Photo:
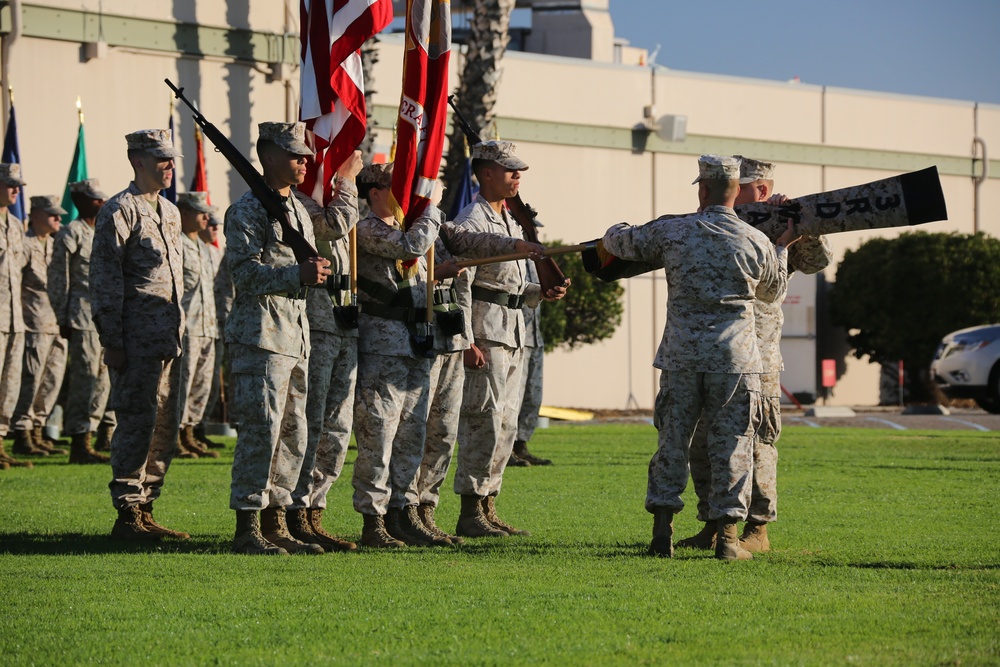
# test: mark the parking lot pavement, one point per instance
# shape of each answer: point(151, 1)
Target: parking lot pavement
point(892, 418)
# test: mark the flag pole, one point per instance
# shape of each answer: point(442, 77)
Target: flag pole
point(549, 252)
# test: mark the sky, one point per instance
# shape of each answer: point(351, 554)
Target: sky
point(944, 48)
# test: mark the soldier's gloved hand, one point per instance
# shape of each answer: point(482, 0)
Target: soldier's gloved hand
point(314, 271)
point(114, 358)
point(351, 167)
point(474, 358)
point(64, 331)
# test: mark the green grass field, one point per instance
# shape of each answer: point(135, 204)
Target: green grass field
point(885, 554)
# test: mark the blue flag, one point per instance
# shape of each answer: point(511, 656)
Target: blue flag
point(171, 192)
point(12, 154)
point(466, 192)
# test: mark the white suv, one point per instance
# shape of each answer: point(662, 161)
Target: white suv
point(967, 365)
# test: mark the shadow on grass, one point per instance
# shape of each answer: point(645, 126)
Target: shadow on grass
point(63, 544)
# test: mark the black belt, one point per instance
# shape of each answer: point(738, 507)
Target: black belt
point(512, 301)
point(397, 313)
point(297, 294)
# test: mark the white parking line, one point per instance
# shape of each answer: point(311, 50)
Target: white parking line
point(805, 421)
point(898, 427)
point(978, 427)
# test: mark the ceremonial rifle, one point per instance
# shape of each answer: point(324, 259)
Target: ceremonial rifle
point(271, 201)
point(549, 273)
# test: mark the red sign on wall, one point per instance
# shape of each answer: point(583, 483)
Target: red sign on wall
point(829, 372)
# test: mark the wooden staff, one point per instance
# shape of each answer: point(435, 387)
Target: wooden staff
point(549, 252)
point(353, 240)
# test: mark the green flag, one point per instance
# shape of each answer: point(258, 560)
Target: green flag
point(77, 172)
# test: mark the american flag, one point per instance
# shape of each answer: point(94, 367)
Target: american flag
point(332, 91)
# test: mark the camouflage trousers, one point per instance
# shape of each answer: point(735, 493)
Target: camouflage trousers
point(196, 377)
point(89, 385)
point(269, 404)
point(530, 398)
point(333, 373)
point(730, 406)
point(41, 379)
point(390, 424)
point(144, 398)
point(11, 358)
point(488, 422)
point(764, 488)
point(447, 383)
point(216, 391)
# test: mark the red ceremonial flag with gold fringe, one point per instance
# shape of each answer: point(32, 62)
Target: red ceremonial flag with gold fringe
point(332, 90)
point(423, 108)
point(200, 181)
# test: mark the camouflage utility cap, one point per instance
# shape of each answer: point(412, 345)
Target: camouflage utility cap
point(10, 173)
point(718, 167)
point(158, 143)
point(88, 188)
point(754, 170)
point(213, 218)
point(48, 203)
point(288, 136)
point(196, 201)
point(501, 152)
point(376, 176)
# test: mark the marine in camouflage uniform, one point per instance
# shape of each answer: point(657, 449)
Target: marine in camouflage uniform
point(491, 296)
point(268, 336)
point(12, 261)
point(392, 397)
point(44, 348)
point(137, 260)
point(200, 331)
point(224, 293)
point(333, 365)
point(716, 267)
point(809, 255)
point(529, 397)
point(89, 386)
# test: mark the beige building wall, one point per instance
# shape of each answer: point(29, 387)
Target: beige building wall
point(573, 120)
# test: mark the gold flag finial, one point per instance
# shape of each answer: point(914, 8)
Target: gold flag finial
point(10, 93)
point(79, 109)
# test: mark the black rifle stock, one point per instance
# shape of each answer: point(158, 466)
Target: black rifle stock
point(268, 198)
point(549, 273)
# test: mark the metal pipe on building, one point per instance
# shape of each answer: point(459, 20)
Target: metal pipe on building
point(978, 180)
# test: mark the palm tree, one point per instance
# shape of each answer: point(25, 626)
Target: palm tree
point(477, 90)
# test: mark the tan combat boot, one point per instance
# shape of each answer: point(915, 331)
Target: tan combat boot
point(703, 539)
point(490, 510)
point(328, 541)
point(200, 436)
point(663, 533)
point(754, 537)
point(727, 541)
point(24, 445)
point(43, 441)
point(11, 461)
point(150, 524)
point(299, 526)
point(190, 443)
point(375, 536)
point(80, 451)
point(426, 513)
point(521, 451)
point(472, 521)
point(515, 461)
point(104, 433)
point(411, 523)
point(274, 529)
point(248, 539)
point(131, 528)
point(4, 465)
